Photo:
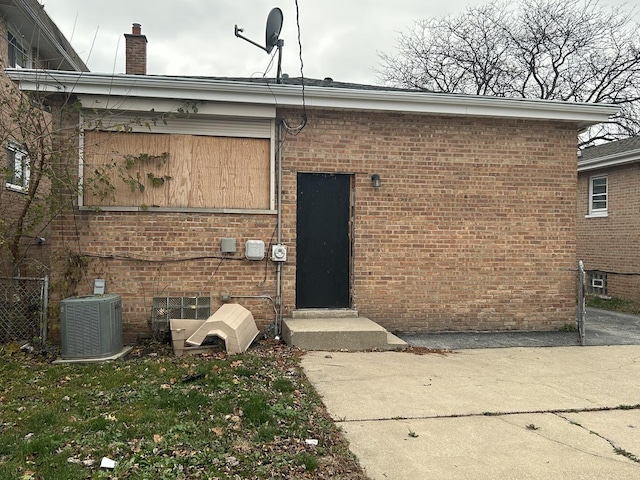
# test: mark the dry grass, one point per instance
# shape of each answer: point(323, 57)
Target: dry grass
point(162, 417)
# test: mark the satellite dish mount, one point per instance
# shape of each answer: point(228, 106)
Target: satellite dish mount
point(272, 37)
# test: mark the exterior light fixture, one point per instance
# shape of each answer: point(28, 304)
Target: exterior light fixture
point(375, 180)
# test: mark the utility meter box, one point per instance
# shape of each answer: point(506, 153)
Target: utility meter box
point(279, 253)
point(228, 245)
point(254, 250)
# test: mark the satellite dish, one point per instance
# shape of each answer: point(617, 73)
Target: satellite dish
point(274, 26)
point(272, 37)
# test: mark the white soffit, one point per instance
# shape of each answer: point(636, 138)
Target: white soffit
point(280, 95)
point(143, 122)
point(164, 105)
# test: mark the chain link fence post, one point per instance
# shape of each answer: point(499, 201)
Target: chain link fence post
point(581, 310)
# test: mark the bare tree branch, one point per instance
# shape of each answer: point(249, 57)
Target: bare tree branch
point(573, 50)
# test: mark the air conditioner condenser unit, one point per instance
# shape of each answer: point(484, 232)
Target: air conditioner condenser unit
point(91, 326)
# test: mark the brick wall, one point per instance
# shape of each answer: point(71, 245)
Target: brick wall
point(612, 243)
point(145, 255)
point(472, 229)
point(4, 43)
point(36, 254)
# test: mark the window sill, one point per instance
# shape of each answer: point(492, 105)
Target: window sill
point(597, 215)
point(17, 188)
point(178, 210)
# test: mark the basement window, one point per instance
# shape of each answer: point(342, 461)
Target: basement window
point(597, 283)
point(166, 308)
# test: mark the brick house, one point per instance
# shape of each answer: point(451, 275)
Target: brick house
point(28, 39)
point(608, 225)
point(424, 212)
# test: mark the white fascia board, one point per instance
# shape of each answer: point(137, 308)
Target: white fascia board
point(163, 105)
point(452, 104)
point(280, 95)
point(614, 160)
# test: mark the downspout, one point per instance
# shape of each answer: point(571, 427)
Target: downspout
point(277, 326)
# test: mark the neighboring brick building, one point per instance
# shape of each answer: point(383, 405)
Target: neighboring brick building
point(28, 39)
point(472, 226)
point(608, 218)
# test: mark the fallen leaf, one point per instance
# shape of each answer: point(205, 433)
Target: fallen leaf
point(157, 438)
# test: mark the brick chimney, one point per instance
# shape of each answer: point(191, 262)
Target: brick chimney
point(136, 51)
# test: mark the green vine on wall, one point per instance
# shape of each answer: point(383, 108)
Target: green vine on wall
point(100, 181)
point(157, 181)
point(135, 182)
point(75, 268)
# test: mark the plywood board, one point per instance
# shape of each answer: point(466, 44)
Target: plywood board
point(200, 171)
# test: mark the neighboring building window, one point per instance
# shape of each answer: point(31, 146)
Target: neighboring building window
point(17, 168)
point(18, 53)
point(598, 196)
point(598, 283)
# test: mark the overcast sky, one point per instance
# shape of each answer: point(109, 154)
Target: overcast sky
point(340, 38)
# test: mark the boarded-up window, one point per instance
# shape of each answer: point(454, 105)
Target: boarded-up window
point(175, 171)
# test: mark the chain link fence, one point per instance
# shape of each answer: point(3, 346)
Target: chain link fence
point(23, 309)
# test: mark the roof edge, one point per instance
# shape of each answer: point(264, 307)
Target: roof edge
point(283, 95)
point(614, 160)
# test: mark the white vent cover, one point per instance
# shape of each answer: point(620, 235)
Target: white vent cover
point(254, 250)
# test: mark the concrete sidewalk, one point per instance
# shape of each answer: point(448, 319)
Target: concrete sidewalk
point(514, 413)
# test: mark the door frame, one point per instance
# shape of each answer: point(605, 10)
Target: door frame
point(350, 233)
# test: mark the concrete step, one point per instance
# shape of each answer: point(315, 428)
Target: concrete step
point(350, 333)
point(324, 313)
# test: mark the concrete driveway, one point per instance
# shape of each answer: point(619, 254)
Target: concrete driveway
point(489, 413)
point(601, 328)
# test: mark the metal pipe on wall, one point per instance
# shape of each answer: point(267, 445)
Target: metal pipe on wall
point(278, 320)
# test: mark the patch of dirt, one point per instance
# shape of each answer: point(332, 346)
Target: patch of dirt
point(428, 351)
